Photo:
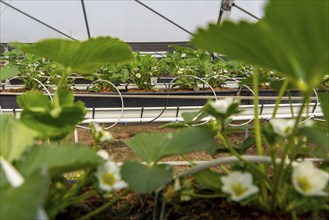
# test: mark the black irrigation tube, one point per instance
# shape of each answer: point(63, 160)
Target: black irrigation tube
point(37, 20)
point(163, 110)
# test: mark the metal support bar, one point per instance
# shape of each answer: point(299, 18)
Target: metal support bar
point(245, 11)
point(37, 20)
point(162, 16)
point(225, 10)
point(85, 17)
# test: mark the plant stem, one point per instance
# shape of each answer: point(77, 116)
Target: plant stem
point(281, 92)
point(279, 172)
point(106, 205)
point(210, 196)
point(257, 128)
point(226, 143)
point(83, 197)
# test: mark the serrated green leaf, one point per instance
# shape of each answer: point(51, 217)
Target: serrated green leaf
point(279, 41)
point(82, 57)
point(189, 116)
point(247, 143)
point(59, 159)
point(324, 100)
point(8, 72)
point(208, 179)
point(54, 119)
point(15, 137)
point(175, 125)
point(144, 179)
point(155, 146)
point(34, 101)
point(23, 202)
point(316, 136)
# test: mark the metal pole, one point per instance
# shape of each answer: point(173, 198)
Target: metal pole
point(41, 22)
point(225, 10)
point(162, 16)
point(85, 16)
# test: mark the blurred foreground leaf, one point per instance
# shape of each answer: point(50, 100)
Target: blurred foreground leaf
point(82, 57)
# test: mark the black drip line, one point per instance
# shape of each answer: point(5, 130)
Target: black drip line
point(163, 110)
point(37, 20)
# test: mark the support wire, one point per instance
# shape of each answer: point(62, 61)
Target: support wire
point(37, 20)
point(85, 17)
point(164, 17)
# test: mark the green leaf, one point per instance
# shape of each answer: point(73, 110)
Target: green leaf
point(59, 159)
point(153, 147)
point(324, 100)
point(247, 143)
point(34, 101)
point(316, 136)
point(144, 179)
point(279, 41)
point(189, 116)
point(82, 57)
point(54, 119)
point(8, 72)
point(209, 179)
point(15, 137)
point(23, 202)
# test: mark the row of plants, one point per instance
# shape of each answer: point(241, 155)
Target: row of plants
point(277, 179)
point(142, 72)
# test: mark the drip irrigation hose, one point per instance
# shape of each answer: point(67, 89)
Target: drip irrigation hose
point(163, 110)
point(314, 108)
point(38, 81)
point(238, 94)
point(122, 105)
point(203, 81)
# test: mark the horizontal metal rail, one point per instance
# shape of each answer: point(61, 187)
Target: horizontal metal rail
point(170, 114)
point(170, 96)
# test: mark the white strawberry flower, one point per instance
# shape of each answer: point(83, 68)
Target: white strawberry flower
point(99, 133)
point(109, 178)
point(221, 106)
point(239, 185)
point(283, 127)
point(14, 178)
point(309, 180)
point(138, 75)
point(103, 154)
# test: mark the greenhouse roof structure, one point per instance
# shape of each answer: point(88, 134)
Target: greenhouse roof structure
point(130, 20)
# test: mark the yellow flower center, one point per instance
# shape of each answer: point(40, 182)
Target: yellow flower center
point(108, 179)
point(288, 129)
point(238, 189)
point(304, 183)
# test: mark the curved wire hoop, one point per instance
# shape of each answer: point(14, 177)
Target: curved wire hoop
point(202, 80)
point(122, 105)
point(233, 79)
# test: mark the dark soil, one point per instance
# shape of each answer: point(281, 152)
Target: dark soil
point(143, 207)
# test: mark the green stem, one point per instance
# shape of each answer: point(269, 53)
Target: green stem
point(290, 102)
point(226, 143)
point(83, 197)
point(209, 196)
point(279, 172)
point(278, 101)
point(256, 115)
point(106, 205)
point(257, 127)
